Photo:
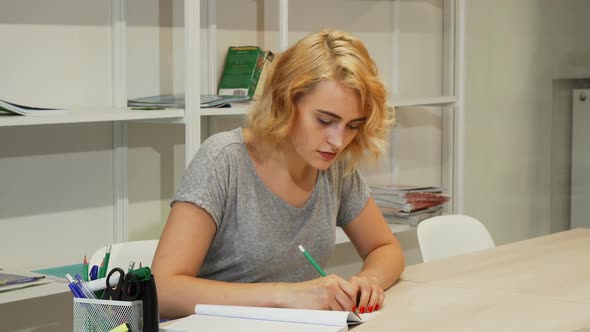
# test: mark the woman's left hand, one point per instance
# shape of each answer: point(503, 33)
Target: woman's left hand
point(370, 296)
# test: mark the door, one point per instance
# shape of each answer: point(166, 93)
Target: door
point(580, 182)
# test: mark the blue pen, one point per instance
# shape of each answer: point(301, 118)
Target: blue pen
point(74, 287)
point(94, 272)
point(82, 285)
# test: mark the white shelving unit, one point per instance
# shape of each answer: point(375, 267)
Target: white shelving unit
point(194, 119)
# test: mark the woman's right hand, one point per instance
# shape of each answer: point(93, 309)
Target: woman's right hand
point(325, 293)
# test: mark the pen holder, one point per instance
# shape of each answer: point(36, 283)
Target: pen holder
point(151, 316)
point(103, 315)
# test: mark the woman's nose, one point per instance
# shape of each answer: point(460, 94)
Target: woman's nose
point(336, 137)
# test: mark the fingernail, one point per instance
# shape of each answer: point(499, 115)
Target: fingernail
point(376, 307)
point(353, 308)
point(370, 309)
point(362, 311)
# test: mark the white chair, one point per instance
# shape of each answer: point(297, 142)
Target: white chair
point(452, 235)
point(123, 253)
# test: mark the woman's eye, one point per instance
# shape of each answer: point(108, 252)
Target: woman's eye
point(324, 121)
point(354, 126)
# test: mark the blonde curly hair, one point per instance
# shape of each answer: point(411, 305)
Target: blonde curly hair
point(328, 54)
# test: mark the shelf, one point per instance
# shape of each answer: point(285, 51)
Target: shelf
point(91, 115)
point(395, 228)
point(242, 108)
point(111, 114)
point(436, 101)
point(84, 115)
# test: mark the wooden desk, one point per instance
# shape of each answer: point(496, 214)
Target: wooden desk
point(554, 266)
point(540, 285)
point(420, 307)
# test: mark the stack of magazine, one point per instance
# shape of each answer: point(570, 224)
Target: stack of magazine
point(177, 101)
point(409, 204)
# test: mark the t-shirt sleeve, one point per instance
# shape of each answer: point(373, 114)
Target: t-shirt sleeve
point(354, 194)
point(205, 181)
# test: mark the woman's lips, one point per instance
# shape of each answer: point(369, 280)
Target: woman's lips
point(327, 155)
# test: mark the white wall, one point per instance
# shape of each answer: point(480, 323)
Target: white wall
point(55, 181)
point(514, 148)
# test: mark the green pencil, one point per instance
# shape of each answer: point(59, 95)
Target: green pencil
point(85, 269)
point(102, 272)
point(312, 261)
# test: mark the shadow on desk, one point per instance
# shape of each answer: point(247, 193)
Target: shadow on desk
point(51, 313)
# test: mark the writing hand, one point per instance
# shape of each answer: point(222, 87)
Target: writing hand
point(326, 293)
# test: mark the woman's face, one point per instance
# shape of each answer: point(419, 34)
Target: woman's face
point(327, 120)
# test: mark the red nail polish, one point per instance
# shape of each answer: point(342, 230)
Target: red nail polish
point(354, 308)
point(362, 311)
point(376, 307)
point(370, 309)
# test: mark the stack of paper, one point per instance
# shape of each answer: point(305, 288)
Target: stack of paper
point(177, 101)
point(409, 204)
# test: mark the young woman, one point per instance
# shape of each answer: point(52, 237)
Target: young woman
point(252, 195)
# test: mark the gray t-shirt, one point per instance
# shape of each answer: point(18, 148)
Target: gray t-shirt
point(258, 233)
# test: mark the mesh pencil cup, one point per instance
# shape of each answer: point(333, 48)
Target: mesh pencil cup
point(103, 315)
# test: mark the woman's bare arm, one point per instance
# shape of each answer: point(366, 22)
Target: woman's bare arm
point(182, 248)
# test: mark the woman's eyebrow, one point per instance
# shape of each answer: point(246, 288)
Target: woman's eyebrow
point(339, 117)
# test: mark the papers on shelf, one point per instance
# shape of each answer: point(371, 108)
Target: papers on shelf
point(163, 101)
point(410, 218)
point(220, 101)
point(177, 101)
point(409, 204)
point(230, 318)
point(11, 108)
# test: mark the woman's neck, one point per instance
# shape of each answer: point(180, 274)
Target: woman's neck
point(280, 159)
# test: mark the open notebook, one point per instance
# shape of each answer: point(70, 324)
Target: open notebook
point(233, 318)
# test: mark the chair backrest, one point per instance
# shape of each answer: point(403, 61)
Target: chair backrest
point(451, 235)
point(123, 253)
